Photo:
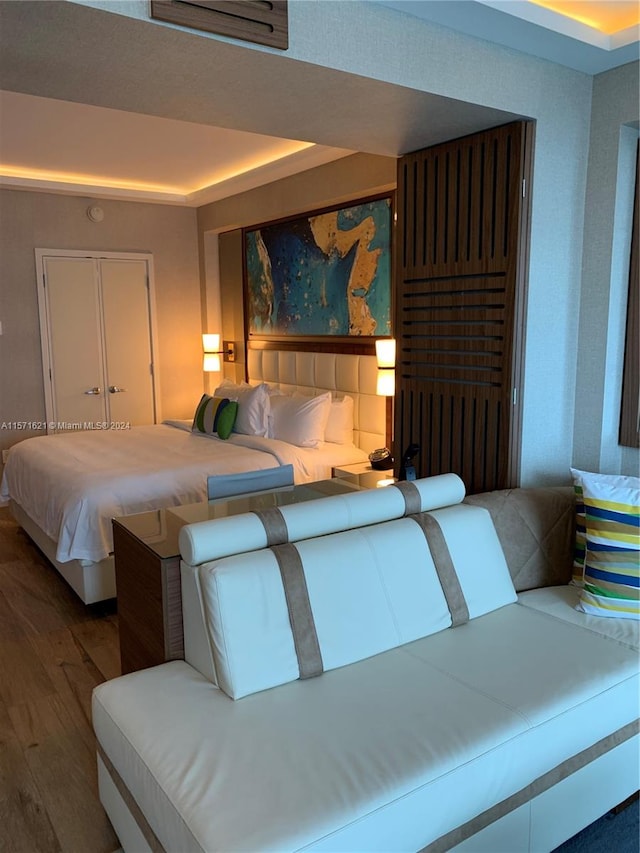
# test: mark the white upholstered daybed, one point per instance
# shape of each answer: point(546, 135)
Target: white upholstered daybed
point(390, 670)
point(65, 489)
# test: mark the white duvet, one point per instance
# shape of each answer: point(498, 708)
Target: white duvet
point(72, 485)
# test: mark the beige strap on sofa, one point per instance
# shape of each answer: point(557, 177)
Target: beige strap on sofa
point(274, 525)
point(136, 812)
point(534, 789)
point(303, 627)
point(444, 567)
point(411, 495)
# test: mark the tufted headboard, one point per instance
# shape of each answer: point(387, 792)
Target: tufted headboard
point(315, 372)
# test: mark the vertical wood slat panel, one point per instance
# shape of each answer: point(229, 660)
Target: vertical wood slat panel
point(480, 456)
point(420, 212)
point(480, 201)
point(426, 194)
point(488, 212)
point(457, 202)
point(413, 206)
point(495, 196)
point(467, 179)
point(455, 299)
point(506, 201)
point(457, 434)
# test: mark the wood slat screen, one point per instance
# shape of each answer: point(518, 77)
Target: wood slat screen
point(459, 305)
point(259, 21)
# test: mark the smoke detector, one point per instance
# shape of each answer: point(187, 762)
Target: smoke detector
point(95, 213)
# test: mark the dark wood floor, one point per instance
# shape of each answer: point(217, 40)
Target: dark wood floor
point(53, 651)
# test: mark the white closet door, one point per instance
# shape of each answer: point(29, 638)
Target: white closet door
point(74, 340)
point(127, 337)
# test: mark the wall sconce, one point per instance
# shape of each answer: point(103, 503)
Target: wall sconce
point(386, 358)
point(211, 362)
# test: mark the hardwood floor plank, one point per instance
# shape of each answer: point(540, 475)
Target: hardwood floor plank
point(53, 651)
point(48, 721)
point(23, 676)
point(14, 544)
point(66, 777)
point(73, 674)
point(24, 823)
point(99, 639)
point(11, 628)
point(40, 601)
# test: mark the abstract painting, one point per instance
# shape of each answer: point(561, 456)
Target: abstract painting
point(325, 273)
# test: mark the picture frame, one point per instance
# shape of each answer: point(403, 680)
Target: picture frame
point(324, 275)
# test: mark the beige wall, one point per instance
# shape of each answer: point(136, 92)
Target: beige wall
point(40, 220)
point(175, 238)
point(350, 178)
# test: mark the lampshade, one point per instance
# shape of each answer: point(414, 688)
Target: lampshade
point(211, 343)
point(211, 362)
point(386, 352)
point(386, 384)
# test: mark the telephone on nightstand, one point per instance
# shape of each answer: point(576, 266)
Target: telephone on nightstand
point(407, 468)
point(381, 459)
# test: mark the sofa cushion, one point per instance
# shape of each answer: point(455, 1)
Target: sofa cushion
point(477, 557)
point(364, 753)
point(222, 537)
point(211, 540)
point(560, 602)
point(357, 593)
point(536, 530)
point(612, 558)
point(369, 590)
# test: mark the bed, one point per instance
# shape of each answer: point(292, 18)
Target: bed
point(65, 489)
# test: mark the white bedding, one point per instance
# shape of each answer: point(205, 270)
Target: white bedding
point(72, 485)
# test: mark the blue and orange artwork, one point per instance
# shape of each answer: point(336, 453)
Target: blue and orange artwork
point(324, 274)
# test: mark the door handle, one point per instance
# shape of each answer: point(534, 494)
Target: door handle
point(93, 391)
point(113, 389)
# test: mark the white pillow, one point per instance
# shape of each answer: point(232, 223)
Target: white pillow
point(300, 420)
point(339, 429)
point(253, 406)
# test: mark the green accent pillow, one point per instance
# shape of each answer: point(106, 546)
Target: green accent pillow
point(215, 416)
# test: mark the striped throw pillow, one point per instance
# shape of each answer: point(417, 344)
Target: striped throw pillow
point(215, 416)
point(612, 556)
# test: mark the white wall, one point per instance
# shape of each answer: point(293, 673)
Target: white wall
point(605, 274)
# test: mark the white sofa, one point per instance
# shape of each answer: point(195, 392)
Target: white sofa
point(440, 708)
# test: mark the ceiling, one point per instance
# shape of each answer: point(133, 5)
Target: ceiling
point(587, 35)
point(87, 130)
point(61, 146)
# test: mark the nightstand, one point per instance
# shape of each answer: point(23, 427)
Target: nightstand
point(147, 564)
point(364, 476)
